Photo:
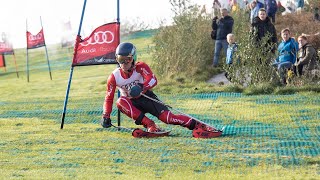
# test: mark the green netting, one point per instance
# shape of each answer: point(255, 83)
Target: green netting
point(254, 131)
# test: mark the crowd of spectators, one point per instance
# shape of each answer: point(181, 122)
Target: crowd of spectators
point(290, 55)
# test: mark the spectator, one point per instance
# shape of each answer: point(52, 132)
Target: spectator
point(232, 48)
point(259, 4)
point(233, 5)
point(216, 5)
point(247, 9)
point(254, 11)
point(287, 54)
point(316, 16)
point(306, 57)
point(261, 27)
point(223, 26)
point(271, 8)
point(300, 4)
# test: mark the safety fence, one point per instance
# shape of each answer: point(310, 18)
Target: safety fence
point(288, 134)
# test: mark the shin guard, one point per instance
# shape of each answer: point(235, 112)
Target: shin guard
point(169, 118)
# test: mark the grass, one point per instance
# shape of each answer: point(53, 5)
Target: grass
point(267, 136)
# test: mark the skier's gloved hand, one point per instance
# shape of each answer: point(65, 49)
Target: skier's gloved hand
point(136, 90)
point(105, 122)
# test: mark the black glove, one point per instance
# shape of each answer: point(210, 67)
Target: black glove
point(105, 122)
point(136, 90)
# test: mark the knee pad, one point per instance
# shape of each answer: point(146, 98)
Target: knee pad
point(125, 105)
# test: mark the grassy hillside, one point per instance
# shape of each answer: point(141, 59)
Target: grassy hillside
point(266, 136)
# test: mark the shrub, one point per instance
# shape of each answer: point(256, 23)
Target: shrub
point(185, 48)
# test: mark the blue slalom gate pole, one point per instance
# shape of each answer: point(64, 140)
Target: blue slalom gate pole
point(71, 69)
point(118, 21)
point(45, 46)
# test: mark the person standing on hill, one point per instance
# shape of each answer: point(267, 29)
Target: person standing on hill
point(261, 27)
point(254, 10)
point(271, 8)
point(135, 81)
point(216, 5)
point(222, 26)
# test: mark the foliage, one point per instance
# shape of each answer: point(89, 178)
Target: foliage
point(185, 48)
point(252, 61)
point(131, 26)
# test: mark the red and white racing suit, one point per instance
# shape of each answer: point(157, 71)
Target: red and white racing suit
point(135, 108)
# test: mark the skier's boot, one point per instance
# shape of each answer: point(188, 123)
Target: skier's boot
point(150, 125)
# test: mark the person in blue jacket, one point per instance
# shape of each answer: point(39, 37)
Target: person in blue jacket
point(287, 54)
point(232, 48)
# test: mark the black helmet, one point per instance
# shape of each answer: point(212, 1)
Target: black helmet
point(125, 51)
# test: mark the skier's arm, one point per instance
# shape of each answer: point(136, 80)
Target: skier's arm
point(150, 79)
point(111, 87)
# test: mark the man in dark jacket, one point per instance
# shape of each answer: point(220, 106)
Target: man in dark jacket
point(261, 27)
point(223, 27)
point(271, 8)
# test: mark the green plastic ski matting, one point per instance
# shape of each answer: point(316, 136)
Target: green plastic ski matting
point(273, 129)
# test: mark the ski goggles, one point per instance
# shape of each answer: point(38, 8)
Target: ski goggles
point(124, 59)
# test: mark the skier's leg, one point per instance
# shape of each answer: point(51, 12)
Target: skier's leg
point(125, 105)
point(169, 118)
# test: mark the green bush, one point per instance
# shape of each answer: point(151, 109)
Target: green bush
point(185, 48)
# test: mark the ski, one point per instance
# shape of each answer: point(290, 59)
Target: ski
point(200, 133)
point(139, 133)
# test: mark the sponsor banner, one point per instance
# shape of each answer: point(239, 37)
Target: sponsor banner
point(6, 48)
point(99, 47)
point(2, 61)
point(35, 41)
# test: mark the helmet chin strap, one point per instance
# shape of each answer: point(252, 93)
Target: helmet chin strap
point(132, 65)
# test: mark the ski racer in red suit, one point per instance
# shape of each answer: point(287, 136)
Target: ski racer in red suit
point(133, 78)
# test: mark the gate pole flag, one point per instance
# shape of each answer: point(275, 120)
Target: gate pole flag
point(36, 41)
point(6, 48)
point(97, 49)
point(3, 62)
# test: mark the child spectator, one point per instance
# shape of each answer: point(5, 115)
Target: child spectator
point(316, 16)
point(232, 48)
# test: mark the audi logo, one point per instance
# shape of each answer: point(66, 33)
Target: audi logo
point(99, 37)
point(35, 37)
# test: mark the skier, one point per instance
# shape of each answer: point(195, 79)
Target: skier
point(135, 81)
